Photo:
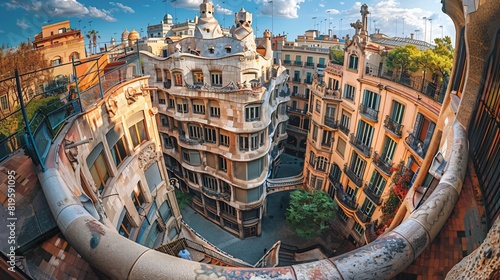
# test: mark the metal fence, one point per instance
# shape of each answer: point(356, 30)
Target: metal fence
point(58, 98)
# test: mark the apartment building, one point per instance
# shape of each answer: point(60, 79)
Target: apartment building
point(362, 123)
point(222, 119)
point(61, 44)
point(305, 58)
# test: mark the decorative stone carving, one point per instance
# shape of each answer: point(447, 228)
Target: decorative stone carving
point(72, 155)
point(111, 107)
point(148, 156)
point(484, 262)
point(131, 95)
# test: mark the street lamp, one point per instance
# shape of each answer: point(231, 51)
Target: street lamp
point(425, 28)
point(442, 35)
point(430, 37)
point(329, 22)
point(272, 16)
point(175, 9)
point(314, 21)
point(340, 30)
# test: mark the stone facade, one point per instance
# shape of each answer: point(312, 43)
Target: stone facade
point(222, 119)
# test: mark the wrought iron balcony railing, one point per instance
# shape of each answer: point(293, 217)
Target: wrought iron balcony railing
point(357, 179)
point(382, 164)
point(368, 112)
point(372, 194)
point(189, 141)
point(344, 128)
point(331, 122)
point(416, 145)
point(393, 126)
point(360, 146)
point(362, 216)
point(345, 199)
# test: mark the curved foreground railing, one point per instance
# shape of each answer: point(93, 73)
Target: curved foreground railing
point(120, 258)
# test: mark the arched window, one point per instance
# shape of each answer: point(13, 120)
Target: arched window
point(353, 62)
point(56, 61)
point(321, 164)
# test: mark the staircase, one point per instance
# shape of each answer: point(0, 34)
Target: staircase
point(200, 253)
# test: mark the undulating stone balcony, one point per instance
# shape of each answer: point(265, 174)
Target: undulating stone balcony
point(393, 127)
point(360, 146)
point(368, 113)
point(355, 178)
point(188, 141)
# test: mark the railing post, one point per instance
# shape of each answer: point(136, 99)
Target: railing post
point(77, 87)
point(99, 79)
point(26, 121)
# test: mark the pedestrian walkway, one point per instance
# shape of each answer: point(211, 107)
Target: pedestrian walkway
point(463, 233)
point(274, 228)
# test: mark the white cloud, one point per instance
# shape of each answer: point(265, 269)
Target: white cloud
point(333, 11)
point(57, 8)
point(102, 14)
point(280, 8)
point(187, 4)
point(125, 9)
point(322, 5)
point(222, 11)
point(21, 23)
point(341, 3)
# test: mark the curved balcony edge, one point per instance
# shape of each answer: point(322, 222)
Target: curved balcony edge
point(121, 258)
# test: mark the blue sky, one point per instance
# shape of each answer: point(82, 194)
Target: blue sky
point(22, 19)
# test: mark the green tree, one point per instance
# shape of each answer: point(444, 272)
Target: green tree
point(309, 214)
point(425, 60)
point(402, 59)
point(183, 199)
point(443, 61)
point(336, 55)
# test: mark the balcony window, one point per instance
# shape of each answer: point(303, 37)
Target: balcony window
point(137, 197)
point(315, 132)
point(310, 61)
point(216, 78)
point(222, 163)
point(388, 150)
point(214, 109)
point(358, 229)
point(345, 122)
point(182, 106)
point(177, 78)
point(210, 135)
point(420, 138)
point(153, 176)
point(165, 211)
point(252, 113)
point(349, 92)
point(341, 144)
point(4, 102)
point(371, 103)
point(98, 167)
point(249, 170)
point(228, 209)
point(198, 77)
point(364, 135)
point(137, 130)
point(318, 106)
point(171, 103)
point(330, 111)
point(367, 209)
point(356, 169)
point(117, 145)
point(198, 107)
point(57, 61)
point(210, 183)
point(327, 138)
point(191, 176)
point(335, 173)
point(377, 183)
point(126, 224)
point(224, 140)
point(312, 158)
point(164, 120)
point(353, 62)
point(321, 164)
point(248, 196)
point(191, 157)
point(159, 76)
point(397, 112)
point(195, 132)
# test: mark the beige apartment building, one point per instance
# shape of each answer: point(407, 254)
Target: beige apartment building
point(60, 44)
point(222, 119)
point(362, 123)
point(305, 58)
